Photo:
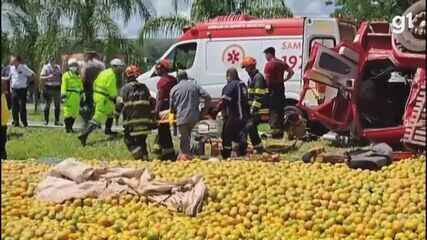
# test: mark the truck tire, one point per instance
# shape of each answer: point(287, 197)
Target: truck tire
point(315, 128)
point(413, 40)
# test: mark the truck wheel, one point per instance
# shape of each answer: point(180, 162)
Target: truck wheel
point(413, 40)
point(314, 128)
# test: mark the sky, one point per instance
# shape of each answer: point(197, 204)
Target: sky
point(311, 8)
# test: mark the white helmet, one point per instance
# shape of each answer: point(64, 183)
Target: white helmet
point(117, 62)
point(73, 62)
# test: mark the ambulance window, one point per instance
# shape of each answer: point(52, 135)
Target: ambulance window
point(182, 56)
point(327, 42)
point(333, 64)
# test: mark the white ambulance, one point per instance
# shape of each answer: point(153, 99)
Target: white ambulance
point(208, 48)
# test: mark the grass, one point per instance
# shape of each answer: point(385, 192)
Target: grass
point(55, 144)
point(48, 144)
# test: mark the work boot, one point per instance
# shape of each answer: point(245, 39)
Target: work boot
point(46, 118)
point(57, 113)
point(68, 125)
point(259, 149)
point(108, 126)
point(226, 152)
point(85, 134)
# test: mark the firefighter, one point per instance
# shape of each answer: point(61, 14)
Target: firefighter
point(235, 110)
point(164, 85)
point(71, 94)
point(137, 105)
point(105, 94)
point(257, 92)
point(274, 75)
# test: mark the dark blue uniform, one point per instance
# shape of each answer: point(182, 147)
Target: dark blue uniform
point(236, 114)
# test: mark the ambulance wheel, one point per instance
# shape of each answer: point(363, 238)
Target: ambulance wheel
point(413, 40)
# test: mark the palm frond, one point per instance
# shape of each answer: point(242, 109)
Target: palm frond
point(165, 26)
point(128, 8)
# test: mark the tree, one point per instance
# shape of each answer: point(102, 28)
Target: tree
point(5, 48)
point(38, 28)
point(371, 9)
point(205, 9)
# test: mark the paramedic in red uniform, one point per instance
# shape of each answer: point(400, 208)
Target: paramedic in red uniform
point(164, 85)
point(274, 72)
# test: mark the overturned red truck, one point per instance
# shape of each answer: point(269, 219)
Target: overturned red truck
point(375, 85)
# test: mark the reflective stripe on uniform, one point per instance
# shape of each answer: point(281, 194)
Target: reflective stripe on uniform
point(136, 121)
point(138, 133)
point(227, 147)
point(135, 150)
point(135, 103)
point(264, 111)
point(261, 91)
point(101, 89)
point(256, 104)
point(257, 91)
point(226, 97)
point(74, 91)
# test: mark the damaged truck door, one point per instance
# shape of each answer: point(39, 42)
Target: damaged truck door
point(336, 72)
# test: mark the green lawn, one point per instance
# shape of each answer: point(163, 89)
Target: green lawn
point(55, 144)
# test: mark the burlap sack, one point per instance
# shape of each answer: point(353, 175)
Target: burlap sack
point(71, 179)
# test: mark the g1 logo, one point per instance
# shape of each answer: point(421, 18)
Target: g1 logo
point(398, 23)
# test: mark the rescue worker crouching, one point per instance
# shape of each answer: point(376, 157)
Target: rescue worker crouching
point(136, 105)
point(163, 140)
point(71, 94)
point(257, 93)
point(235, 109)
point(105, 94)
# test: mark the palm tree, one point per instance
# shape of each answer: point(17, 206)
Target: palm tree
point(205, 9)
point(45, 27)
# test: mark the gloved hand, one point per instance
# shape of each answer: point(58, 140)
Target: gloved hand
point(63, 98)
point(252, 112)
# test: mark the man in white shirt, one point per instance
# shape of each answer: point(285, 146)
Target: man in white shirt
point(51, 81)
point(19, 75)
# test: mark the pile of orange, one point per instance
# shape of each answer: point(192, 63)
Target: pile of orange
point(247, 200)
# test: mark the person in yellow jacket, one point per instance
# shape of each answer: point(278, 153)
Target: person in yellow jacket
point(105, 94)
point(71, 93)
point(3, 132)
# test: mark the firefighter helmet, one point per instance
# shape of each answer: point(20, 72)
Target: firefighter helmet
point(132, 71)
point(248, 61)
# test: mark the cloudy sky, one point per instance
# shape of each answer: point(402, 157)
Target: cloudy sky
point(310, 8)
